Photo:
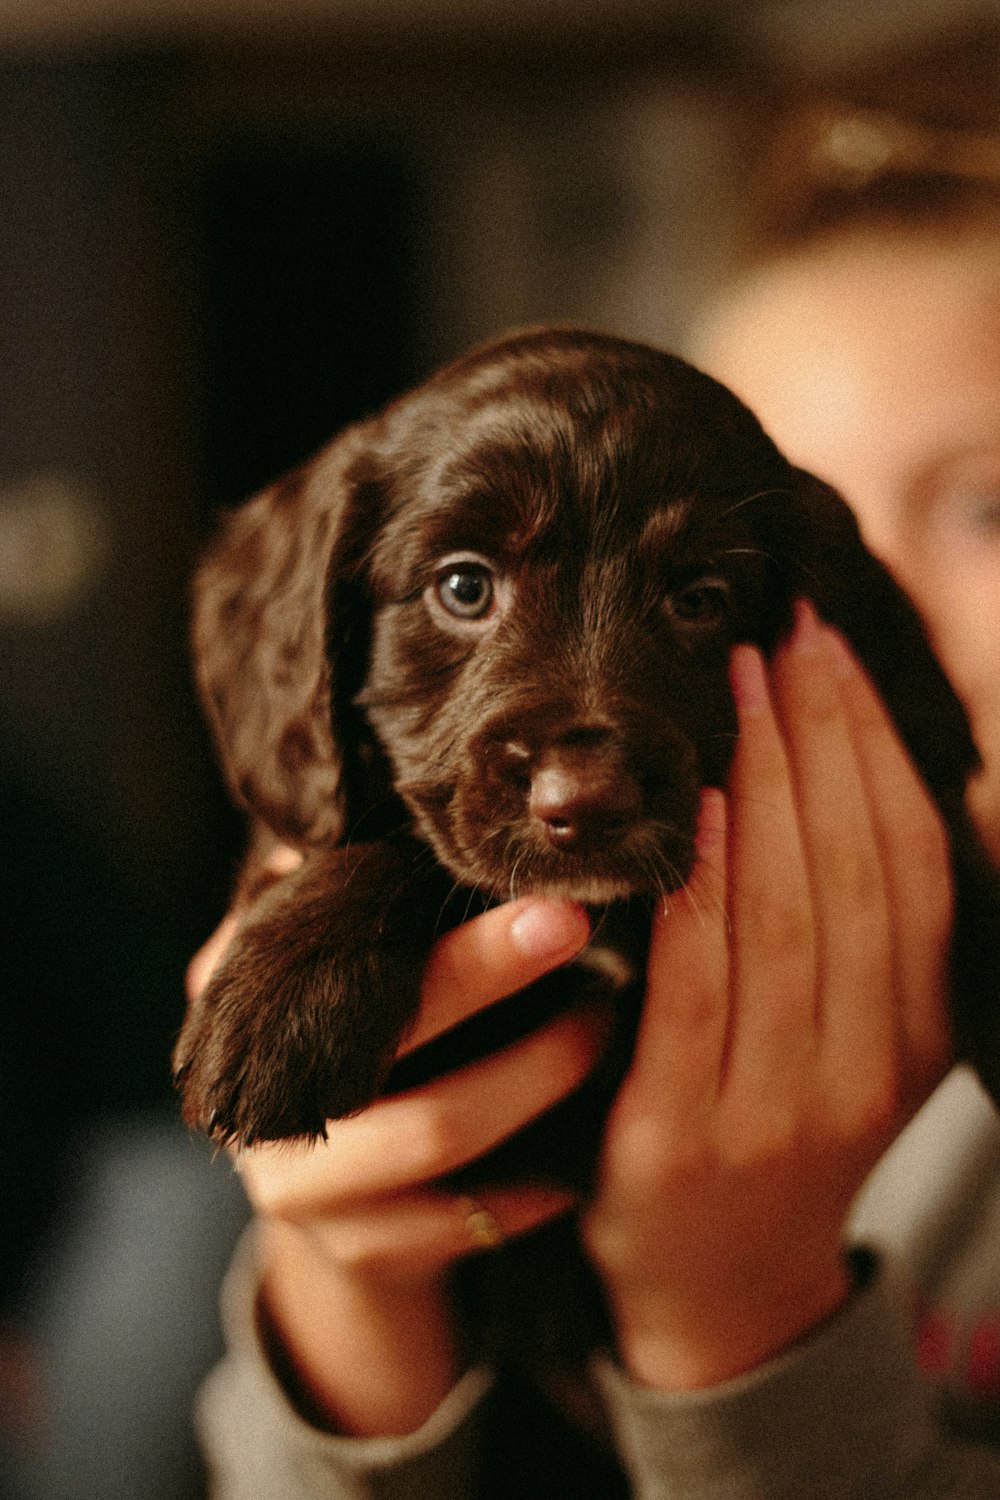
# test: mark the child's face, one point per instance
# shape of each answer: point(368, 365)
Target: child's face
point(877, 365)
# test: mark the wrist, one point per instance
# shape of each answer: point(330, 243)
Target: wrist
point(690, 1344)
point(361, 1355)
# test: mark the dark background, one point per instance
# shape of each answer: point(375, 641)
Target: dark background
point(224, 233)
point(214, 252)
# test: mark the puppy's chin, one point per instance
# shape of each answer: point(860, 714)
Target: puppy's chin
point(588, 891)
point(597, 880)
point(516, 856)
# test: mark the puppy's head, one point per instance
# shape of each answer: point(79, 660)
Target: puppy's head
point(507, 604)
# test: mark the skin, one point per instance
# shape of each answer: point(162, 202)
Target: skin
point(794, 1019)
point(874, 360)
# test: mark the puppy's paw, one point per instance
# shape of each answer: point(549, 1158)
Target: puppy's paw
point(301, 1021)
point(266, 1063)
point(281, 1042)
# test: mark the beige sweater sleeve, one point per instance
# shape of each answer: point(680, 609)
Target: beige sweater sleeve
point(844, 1415)
point(258, 1447)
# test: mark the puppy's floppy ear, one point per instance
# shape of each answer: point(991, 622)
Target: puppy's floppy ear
point(819, 544)
point(854, 592)
point(280, 595)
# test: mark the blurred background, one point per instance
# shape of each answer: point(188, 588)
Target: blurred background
point(226, 230)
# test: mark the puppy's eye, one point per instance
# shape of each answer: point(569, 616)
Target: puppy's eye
point(466, 590)
point(704, 602)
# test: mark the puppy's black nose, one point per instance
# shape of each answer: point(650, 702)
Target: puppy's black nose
point(579, 801)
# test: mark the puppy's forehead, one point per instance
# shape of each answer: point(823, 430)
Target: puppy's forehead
point(525, 469)
point(567, 455)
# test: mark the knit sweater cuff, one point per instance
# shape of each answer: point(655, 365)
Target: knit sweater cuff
point(841, 1413)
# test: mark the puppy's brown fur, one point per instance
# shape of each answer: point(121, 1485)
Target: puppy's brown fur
point(479, 648)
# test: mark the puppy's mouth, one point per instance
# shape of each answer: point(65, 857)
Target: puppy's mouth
point(521, 861)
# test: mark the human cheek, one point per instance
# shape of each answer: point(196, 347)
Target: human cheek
point(964, 612)
point(948, 560)
point(956, 588)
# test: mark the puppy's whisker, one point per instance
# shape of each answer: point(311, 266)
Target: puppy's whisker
point(473, 898)
point(422, 858)
point(667, 880)
point(515, 867)
point(443, 921)
point(812, 576)
point(702, 907)
point(744, 799)
point(776, 492)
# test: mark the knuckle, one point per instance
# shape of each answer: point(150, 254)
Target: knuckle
point(270, 1197)
point(870, 1104)
point(777, 1136)
point(661, 1159)
point(641, 1141)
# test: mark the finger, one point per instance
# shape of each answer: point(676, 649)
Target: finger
point(493, 956)
point(916, 864)
point(416, 1137)
point(772, 944)
point(682, 1037)
point(283, 859)
point(855, 991)
point(208, 956)
point(425, 1230)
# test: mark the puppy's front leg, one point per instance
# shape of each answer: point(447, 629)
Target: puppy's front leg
point(300, 1022)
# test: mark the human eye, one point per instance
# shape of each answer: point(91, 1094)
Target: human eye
point(964, 498)
point(974, 511)
point(983, 513)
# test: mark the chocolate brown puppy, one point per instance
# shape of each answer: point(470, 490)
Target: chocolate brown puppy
point(478, 648)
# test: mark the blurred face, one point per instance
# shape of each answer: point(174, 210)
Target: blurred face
point(877, 366)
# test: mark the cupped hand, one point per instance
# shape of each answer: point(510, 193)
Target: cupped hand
point(794, 1019)
point(358, 1234)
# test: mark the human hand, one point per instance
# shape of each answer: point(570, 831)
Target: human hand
point(358, 1235)
point(794, 1019)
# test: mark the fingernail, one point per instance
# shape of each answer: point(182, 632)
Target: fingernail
point(550, 929)
point(748, 679)
point(807, 637)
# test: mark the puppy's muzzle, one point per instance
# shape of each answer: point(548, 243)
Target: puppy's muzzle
point(581, 799)
point(576, 804)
